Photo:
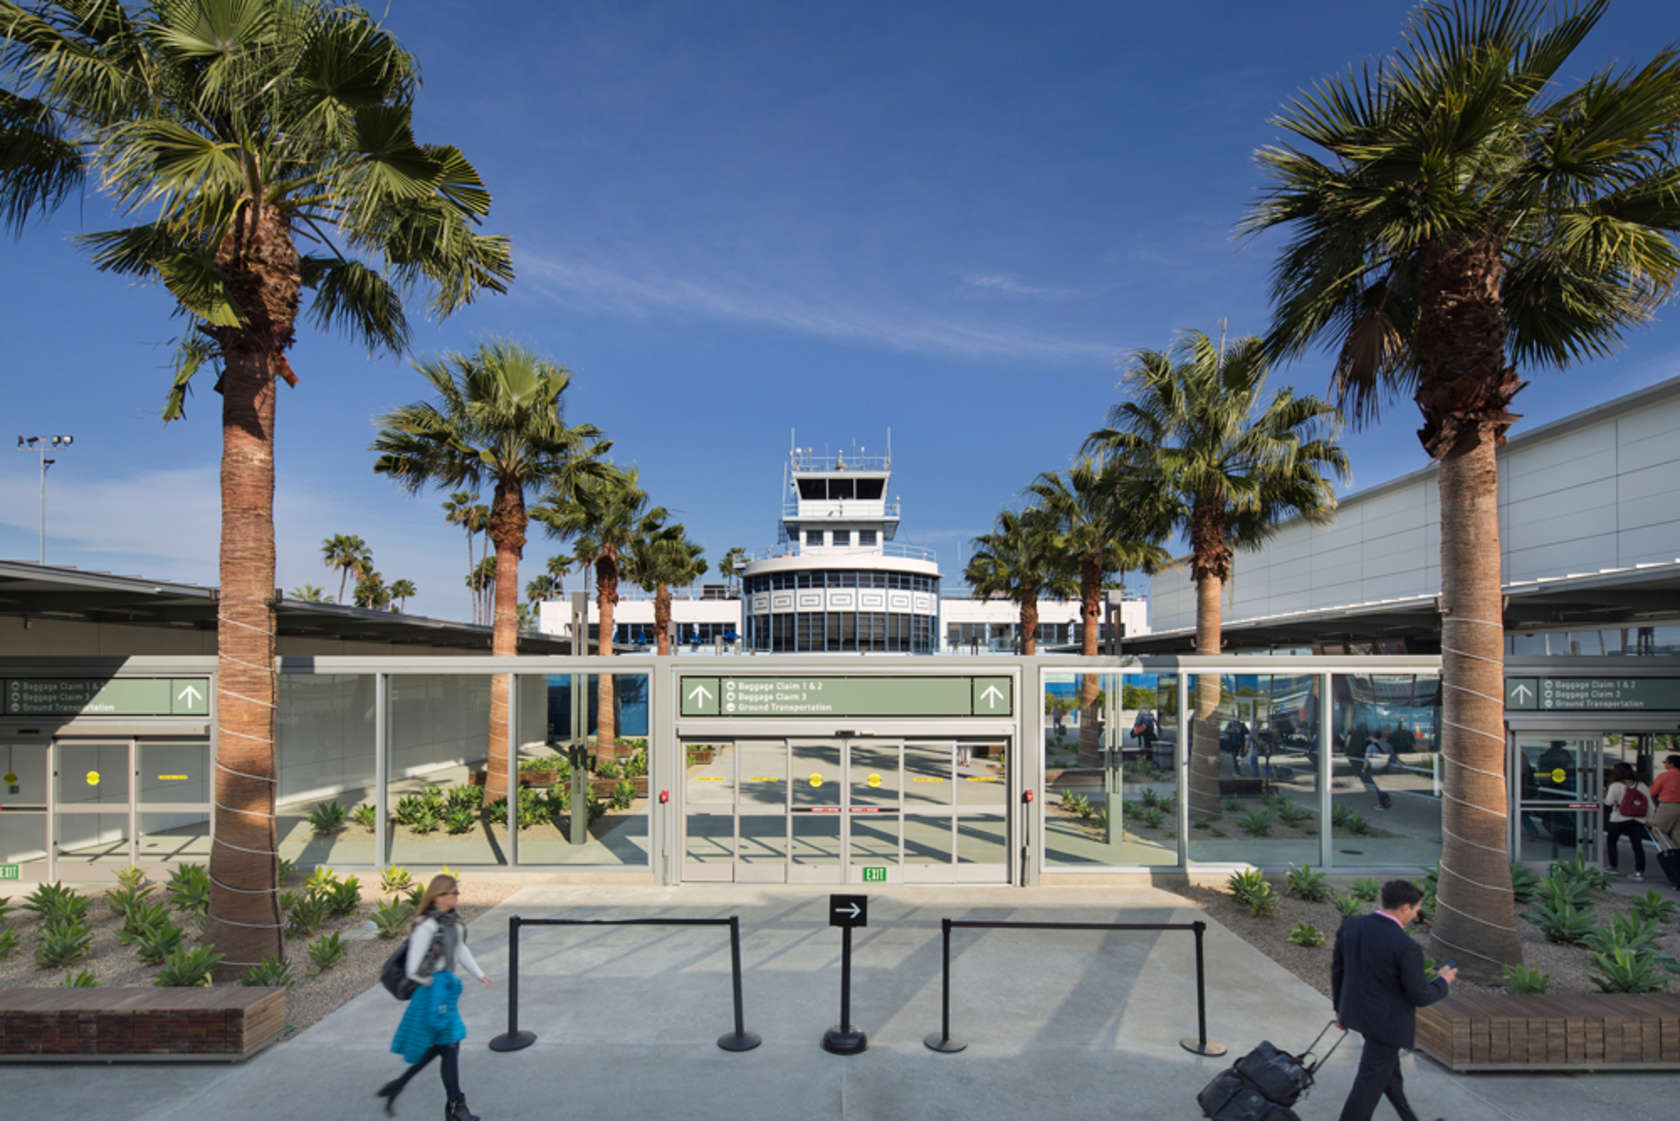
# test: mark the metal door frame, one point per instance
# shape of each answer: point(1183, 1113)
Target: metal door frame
point(48, 807)
point(1589, 785)
point(128, 812)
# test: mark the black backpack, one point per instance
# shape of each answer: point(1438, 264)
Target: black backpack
point(394, 975)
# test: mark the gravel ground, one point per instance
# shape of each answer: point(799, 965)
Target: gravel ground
point(311, 997)
point(1567, 965)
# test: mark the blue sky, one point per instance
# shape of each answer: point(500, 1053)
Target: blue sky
point(733, 220)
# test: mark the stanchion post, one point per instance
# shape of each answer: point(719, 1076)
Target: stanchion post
point(1201, 1045)
point(513, 1039)
point(942, 1041)
point(740, 1039)
point(845, 1040)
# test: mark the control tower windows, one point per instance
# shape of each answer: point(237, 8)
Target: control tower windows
point(813, 537)
point(866, 537)
point(843, 538)
point(871, 488)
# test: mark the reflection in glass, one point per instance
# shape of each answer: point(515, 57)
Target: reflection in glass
point(816, 840)
point(927, 840)
point(1268, 778)
point(875, 839)
point(927, 773)
point(1385, 770)
point(982, 840)
point(764, 839)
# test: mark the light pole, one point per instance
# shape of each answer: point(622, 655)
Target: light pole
point(41, 444)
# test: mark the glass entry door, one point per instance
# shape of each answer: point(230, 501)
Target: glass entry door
point(92, 811)
point(23, 809)
point(822, 810)
point(1557, 795)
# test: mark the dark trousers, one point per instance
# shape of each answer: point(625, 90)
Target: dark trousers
point(1634, 831)
point(451, 1056)
point(1379, 1074)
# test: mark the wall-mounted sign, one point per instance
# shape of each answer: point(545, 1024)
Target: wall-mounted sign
point(847, 696)
point(1603, 694)
point(106, 696)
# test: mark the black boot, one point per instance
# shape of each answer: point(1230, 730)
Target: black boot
point(389, 1092)
point(457, 1111)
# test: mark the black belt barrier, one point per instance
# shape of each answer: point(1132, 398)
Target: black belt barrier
point(514, 1040)
point(942, 1041)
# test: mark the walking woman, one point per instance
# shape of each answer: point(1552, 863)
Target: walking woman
point(1629, 801)
point(431, 1028)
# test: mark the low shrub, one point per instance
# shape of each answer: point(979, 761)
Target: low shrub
point(326, 952)
point(328, 817)
point(608, 768)
point(1251, 889)
point(189, 889)
point(1563, 923)
point(1525, 982)
point(1653, 906)
point(120, 900)
point(468, 798)
point(56, 903)
point(270, 972)
point(343, 897)
point(155, 943)
point(1348, 905)
point(307, 915)
point(83, 979)
point(1305, 883)
point(1582, 871)
point(131, 876)
point(1256, 824)
point(1306, 934)
point(1200, 823)
point(1291, 814)
point(1524, 883)
point(8, 942)
point(186, 968)
point(1366, 890)
point(390, 917)
point(1626, 971)
point(63, 943)
point(365, 815)
point(394, 879)
point(426, 820)
point(140, 918)
point(636, 765)
point(1231, 804)
point(623, 794)
point(322, 880)
point(458, 820)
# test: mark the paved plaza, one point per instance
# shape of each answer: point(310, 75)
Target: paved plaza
point(1068, 1024)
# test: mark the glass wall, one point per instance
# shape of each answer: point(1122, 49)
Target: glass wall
point(1111, 794)
point(324, 749)
point(23, 802)
point(439, 730)
point(91, 798)
point(1385, 770)
point(173, 775)
point(1261, 739)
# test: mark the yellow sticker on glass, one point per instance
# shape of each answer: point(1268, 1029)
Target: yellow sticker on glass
point(93, 778)
point(815, 779)
point(10, 778)
point(874, 780)
point(1559, 775)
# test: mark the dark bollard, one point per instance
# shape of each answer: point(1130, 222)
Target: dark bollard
point(941, 1040)
point(1200, 1045)
point(740, 1039)
point(513, 1039)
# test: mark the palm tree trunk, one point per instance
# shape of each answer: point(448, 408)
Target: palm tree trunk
point(343, 575)
point(1029, 625)
point(507, 531)
point(259, 264)
point(1090, 609)
point(662, 617)
point(472, 592)
point(1204, 717)
point(606, 596)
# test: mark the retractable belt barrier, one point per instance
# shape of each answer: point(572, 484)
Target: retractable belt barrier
point(941, 1040)
point(514, 1039)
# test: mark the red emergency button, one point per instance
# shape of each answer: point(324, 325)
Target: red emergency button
point(1026, 796)
point(664, 796)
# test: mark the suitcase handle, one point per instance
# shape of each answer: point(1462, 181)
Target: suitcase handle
point(1313, 1069)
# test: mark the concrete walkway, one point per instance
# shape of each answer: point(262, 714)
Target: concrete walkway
point(1059, 1024)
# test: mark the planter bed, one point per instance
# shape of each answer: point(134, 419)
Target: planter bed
point(228, 1023)
point(1574, 1031)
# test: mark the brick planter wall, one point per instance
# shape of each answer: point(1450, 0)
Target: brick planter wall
point(1578, 1031)
point(112, 1023)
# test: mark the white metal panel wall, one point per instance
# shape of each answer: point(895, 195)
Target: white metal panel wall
point(1601, 495)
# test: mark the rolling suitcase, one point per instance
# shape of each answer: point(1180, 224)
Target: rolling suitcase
point(1668, 857)
point(1263, 1084)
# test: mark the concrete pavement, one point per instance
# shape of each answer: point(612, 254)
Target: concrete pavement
point(1062, 1024)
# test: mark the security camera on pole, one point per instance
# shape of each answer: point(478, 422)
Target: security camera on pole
point(41, 444)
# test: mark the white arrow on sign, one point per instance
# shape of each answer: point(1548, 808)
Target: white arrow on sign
point(991, 695)
point(1521, 693)
point(700, 694)
point(850, 910)
point(190, 695)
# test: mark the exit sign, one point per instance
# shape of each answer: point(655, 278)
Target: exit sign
point(874, 875)
point(8, 871)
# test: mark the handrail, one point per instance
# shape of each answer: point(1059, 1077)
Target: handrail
point(516, 1040)
point(941, 1040)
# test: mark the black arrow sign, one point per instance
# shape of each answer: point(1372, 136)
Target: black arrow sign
point(848, 910)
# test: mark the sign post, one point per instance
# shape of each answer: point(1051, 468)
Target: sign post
point(846, 912)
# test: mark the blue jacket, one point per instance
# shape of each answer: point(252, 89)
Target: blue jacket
point(1377, 982)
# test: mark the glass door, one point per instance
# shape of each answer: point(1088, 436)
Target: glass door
point(1557, 794)
point(92, 823)
point(709, 787)
point(817, 816)
point(761, 803)
point(874, 812)
point(172, 814)
point(23, 810)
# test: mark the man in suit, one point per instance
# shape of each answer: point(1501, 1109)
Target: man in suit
point(1377, 985)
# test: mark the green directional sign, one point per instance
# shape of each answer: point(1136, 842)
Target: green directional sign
point(1522, 692)
point(1607, 694)
point(106, 696)
point(8, 871)
point(826, 695)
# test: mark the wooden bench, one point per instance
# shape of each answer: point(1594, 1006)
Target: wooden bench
point(229, 1024)
point(1577, 1031)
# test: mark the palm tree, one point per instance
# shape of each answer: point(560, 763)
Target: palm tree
point(734, 563)
point(482, 582)
point(458, 510)
point(308, 593)
point(497, 421)
point(1225, 464)
point(371, 591)
point(1455, 213)
point(246, 129)
point(1103, 533)
point(347, 554)
point(1020, 560)
point(608, 513)
point(540, 587)
point(656, 562)
point(400, 591)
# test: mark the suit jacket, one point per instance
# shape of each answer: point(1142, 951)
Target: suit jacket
point(1377, 982)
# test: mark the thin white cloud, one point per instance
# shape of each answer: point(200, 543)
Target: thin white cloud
point(595, 287)
point(1004, 284)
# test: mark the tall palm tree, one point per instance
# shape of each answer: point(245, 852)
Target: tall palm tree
point(1103, 533)
point(270, 144)
point(734, 563)
point(482, 582)
point(1199, 436)
point(1020, 560)
point(659, 560)
point(348, 555)
point(371, 591)
point(1453, 214)
point(400, 591)
point(458, 510)
point(540, 587)
point(497, 421)
point(607, 512)
point(308, 593)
